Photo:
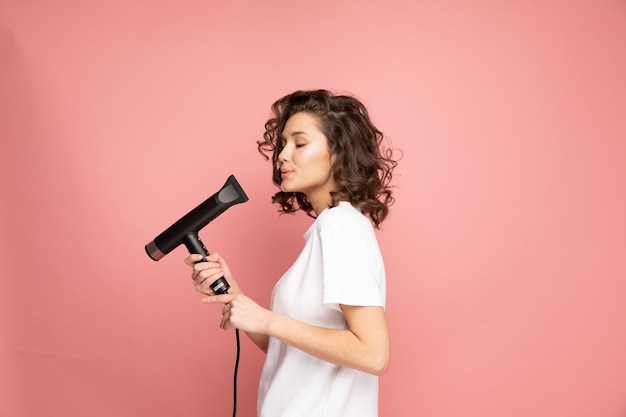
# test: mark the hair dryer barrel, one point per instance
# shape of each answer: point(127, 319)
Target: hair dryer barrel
point(229, 195)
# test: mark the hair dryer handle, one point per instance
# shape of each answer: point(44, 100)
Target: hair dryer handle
point(194, 245)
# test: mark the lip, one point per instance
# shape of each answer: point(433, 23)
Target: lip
point(285, 172)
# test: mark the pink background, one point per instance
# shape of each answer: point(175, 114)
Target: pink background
point(506, 251)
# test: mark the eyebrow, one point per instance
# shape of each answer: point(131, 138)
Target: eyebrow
point(293, 134)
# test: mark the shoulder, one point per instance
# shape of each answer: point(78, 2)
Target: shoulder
point(344, 216)
point(342, 211)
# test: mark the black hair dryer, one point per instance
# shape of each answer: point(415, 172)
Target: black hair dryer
point(185, 230)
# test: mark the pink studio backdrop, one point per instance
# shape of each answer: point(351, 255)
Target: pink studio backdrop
point(505, 252)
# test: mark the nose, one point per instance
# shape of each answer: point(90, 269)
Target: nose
point(283, 156)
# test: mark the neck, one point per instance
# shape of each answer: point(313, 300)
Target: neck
point(319, 202)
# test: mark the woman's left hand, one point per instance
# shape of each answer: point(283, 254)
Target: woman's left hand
point(241, 312)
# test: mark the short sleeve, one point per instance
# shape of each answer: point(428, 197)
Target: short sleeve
point(352, 266)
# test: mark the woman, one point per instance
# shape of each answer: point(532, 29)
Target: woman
point(325, 334)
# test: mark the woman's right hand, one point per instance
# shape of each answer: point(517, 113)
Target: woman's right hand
point(207, 272)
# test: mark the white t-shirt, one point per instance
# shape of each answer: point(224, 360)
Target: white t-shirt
point(340, 263)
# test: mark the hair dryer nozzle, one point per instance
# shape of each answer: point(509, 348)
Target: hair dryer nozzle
point(191, 223)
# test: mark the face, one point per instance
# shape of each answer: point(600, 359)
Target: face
point(305, 161)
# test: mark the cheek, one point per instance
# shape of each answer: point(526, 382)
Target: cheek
point(321, 164)
point(315, 157)
point(305, 158)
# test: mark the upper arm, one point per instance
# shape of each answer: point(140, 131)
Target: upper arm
point(369, 326)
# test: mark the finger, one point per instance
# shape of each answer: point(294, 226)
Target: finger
point(204, 289)
point(197, 276)
point(203, 266)
point(193, 258)
point(214, 256)
point(207, 278)
point(198, 280)
point(226, 324)
point(219, 298)
point(207, 286)
point(226, 308)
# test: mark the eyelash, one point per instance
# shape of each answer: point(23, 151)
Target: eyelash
point(298, 145)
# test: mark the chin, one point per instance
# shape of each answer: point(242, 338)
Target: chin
point(286, 188)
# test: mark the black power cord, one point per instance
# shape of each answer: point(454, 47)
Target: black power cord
point(221, 286)
point(235, 374)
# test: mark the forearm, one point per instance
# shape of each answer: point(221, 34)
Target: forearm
point(259, 339)
point(341, 347)
point(364, 345)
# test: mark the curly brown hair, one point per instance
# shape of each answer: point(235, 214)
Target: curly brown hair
point(363, 166)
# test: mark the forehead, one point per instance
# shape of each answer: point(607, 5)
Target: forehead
point(301, 123)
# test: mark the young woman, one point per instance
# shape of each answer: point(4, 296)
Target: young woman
point(325, 334)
